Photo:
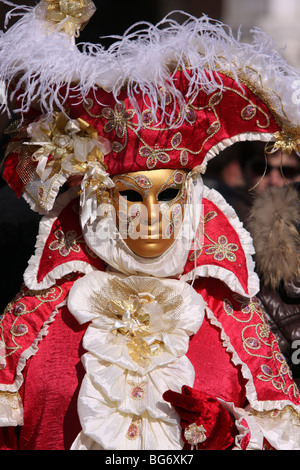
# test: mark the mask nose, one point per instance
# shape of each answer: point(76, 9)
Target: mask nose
point(151, 212)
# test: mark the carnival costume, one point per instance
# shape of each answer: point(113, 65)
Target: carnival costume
point(104, 348)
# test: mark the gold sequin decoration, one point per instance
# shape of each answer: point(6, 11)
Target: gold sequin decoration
point(119, 119)
point(120, 301)
point(72, 14)
point(11, 399)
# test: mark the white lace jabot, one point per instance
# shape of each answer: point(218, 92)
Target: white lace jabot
point(136, 345)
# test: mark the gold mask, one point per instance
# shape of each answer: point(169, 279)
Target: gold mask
point(149, 207)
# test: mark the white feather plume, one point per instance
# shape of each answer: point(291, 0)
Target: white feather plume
point(40, 60)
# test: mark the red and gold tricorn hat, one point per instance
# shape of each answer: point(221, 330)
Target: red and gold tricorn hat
point(166, 96)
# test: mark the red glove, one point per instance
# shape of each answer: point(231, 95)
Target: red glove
point(203, 418)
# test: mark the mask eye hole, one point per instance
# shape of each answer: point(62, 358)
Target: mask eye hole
point(168, 195)
point(131, 195)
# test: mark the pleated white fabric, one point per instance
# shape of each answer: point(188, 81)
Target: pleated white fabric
point(136, 345)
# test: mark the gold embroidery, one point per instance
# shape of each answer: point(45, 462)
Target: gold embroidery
point(255, 335)
point(288, 412)
point(268, 96)
point(18, 310)
point(220, 249)
point(198, 243)
point(65, 243)
point(11, 399)
point(250, 111)
point(119, 119)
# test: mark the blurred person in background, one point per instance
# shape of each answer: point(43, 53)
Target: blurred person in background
point(227, 176)
point(267, 169)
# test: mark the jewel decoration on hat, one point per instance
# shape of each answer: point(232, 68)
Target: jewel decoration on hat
point(287, 140)
point(69, 15)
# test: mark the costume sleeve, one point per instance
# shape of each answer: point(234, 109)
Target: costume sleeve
point(23, 324)
point(272, 415)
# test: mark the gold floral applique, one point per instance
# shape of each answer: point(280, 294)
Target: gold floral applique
point(287, 140)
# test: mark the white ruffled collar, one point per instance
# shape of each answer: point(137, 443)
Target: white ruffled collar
point(136, 345)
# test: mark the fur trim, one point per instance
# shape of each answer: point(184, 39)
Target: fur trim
point(273, 225)
point(41, 60)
